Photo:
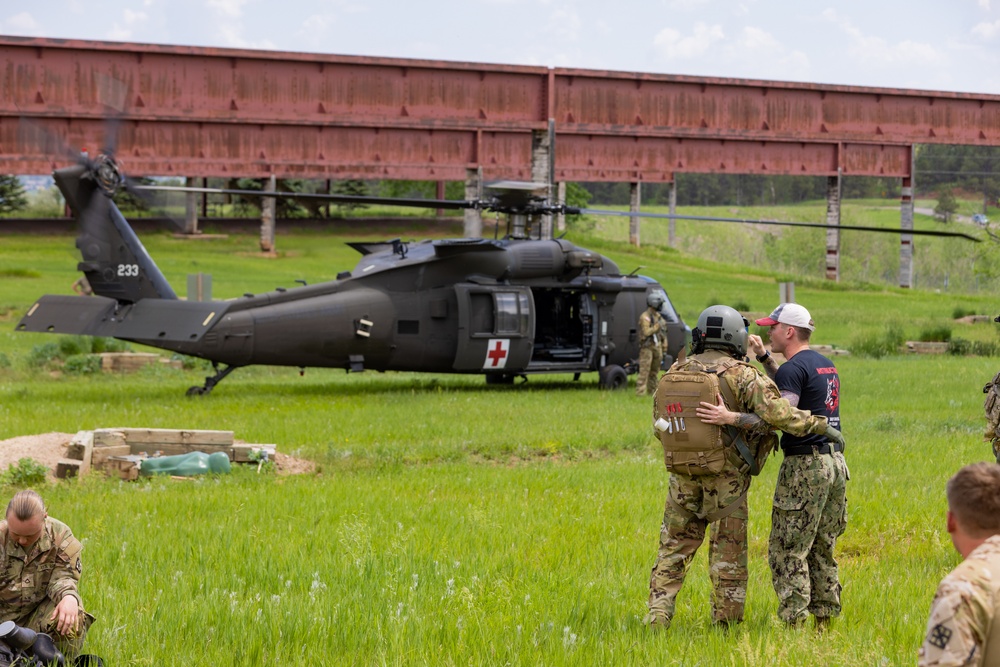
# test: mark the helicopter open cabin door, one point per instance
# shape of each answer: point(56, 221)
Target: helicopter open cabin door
point(496, 326)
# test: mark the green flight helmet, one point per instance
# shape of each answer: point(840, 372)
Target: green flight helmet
point(655, 299)
point(721, 328)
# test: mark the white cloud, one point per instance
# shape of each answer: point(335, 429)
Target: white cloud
point(672, 45)
point(21, 23)
point(984, 4)
point(565, 24)
point(230, 8)
point(870, 50)
point(687, 5)
point(987, 30)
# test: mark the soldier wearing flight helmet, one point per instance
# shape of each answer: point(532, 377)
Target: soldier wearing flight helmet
point(652, 332)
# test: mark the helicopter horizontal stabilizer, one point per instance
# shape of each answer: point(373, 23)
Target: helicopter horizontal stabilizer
point(77, 315)
point(153, 320)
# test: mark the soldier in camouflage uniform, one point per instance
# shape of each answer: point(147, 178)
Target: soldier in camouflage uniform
point(40, 570)
point(992, 407)
point(694, 502)
point(964, 624)
point(810, 499)
point(652, 334)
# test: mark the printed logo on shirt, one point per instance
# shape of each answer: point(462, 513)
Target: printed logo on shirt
point(832, 393)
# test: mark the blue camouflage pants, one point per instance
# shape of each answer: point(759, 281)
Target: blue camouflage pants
point(809, 514)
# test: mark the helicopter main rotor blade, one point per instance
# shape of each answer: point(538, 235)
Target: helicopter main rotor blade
point(860, 228)
point(344, 199)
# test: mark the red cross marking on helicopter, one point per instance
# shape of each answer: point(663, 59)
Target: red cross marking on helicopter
point(497, 356)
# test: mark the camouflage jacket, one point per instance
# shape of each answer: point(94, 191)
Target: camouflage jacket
point(51, 568)
point(758, 394)
point(651, 326)
point(966, 605)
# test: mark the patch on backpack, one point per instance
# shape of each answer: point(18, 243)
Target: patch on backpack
point(940, 636)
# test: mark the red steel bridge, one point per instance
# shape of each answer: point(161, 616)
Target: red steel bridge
point(200, 112)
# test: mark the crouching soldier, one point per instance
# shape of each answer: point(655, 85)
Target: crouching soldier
point(40, 570)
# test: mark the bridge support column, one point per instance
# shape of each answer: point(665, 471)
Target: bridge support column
point(906, 240)
point(672, 201)
point(561, 200)
point(268, 212)
point(190, 207)
point(473, 218)
point(634, 202)
point(833, 192)
point(541, 171)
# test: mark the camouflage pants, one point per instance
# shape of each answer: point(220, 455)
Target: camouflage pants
point(39, 620)
point(809, 514)
point(650, 358)
point(690, 503)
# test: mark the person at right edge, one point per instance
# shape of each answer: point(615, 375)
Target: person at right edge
point(810, 499)
point(964, 623)
point(712, 452)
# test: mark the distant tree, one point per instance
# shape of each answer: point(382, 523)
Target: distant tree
point(12, 195)
point(351, 187)
point(577, 196)
point(947, 205)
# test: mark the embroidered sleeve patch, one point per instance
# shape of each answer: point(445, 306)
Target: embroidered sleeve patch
point(79, 565)
point(940, 636)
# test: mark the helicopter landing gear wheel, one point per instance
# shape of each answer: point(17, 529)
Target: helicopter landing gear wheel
point(210, 382)
point(613, 377)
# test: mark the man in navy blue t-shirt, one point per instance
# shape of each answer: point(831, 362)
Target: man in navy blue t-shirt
point(810, 502)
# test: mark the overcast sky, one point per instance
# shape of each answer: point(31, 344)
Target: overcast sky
point(948, 45)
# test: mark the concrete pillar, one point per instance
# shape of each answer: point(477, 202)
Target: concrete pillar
point(672, 201)
point(268, 211)
point(634, 202)
point(473, 218)
point(541, 171)
point(439, 194)
point(906, 240)
point(561, 200)
point(833, 187)
point(190, 207)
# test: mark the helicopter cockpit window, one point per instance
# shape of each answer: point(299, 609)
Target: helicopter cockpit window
point(511, 313)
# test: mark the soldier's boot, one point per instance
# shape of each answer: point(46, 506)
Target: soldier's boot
point(823, 623)
point(656, 620)
point(796, 623)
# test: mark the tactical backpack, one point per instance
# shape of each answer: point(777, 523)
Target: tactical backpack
point(992, 408)
point(690, 446)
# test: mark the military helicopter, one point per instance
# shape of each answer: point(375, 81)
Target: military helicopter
point(504, 307)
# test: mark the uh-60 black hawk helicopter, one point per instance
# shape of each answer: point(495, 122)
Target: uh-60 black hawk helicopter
point(503, 307)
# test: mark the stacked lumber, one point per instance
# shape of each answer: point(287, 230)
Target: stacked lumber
point(119, 451)
point(126, 362)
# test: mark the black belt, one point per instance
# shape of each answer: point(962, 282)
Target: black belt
point(801, 450)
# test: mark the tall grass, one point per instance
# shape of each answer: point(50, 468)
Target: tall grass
point(454, 523)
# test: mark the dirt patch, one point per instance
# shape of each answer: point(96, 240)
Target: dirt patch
point(48, 448)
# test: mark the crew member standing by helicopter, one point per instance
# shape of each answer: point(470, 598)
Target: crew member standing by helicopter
point(652, 330)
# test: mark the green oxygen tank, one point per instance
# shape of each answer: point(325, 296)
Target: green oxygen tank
point(185, 465)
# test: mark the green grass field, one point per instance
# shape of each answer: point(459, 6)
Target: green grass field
point(454, 523)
